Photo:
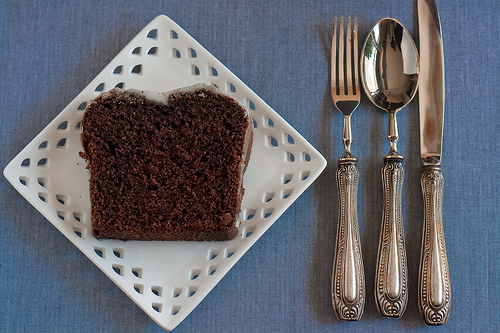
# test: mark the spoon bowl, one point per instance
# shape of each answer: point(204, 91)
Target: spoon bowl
point(389, 65)
point(389, 74)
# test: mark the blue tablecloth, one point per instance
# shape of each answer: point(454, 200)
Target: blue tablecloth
point(50, 50)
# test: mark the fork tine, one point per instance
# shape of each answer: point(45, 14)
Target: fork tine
point(333, 63)
point(344, 65)
point(356, 56)
point(341, 57)
point(348, 61)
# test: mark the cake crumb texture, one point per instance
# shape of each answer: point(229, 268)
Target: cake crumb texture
point(165, 171)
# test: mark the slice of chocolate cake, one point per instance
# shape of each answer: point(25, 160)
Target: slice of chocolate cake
point(166, 166)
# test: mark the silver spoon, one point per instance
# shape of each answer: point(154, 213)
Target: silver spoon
point(389, 73)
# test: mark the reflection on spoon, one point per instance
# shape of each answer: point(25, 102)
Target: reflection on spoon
point(389, 73)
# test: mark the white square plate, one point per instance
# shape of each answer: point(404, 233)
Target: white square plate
point(166, 279)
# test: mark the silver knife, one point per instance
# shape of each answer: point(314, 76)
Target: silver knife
point(434, 295)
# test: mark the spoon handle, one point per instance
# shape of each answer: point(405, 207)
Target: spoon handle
point(391, 276)
point(434, 295)
point(348, 278)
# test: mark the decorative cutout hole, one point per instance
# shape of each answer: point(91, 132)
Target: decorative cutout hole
point(191, 291)
point(44, 197)
point(231, 88)
point(42, 163)
point(306, 157)
point(78, 125)
point(137, 69)
point(79, 217)
point(215, 86)
point(254, 123)
point(79, 232)
point(251, 105)
point(286, 193)
point(43, 182)
point(271, 141)
point(100, 87)
point(211, 269)
point(267, 212)
point(43, 146)
point(288, 139)
point(157, 307)
point(62, 215)
point(118, 269)
point(269, 122)
point(62, 143)
point(153, 51)
point(136, 51)
point(157, 290)
point(62, 126)
point(175, 310)
point(212, 71)
point(192, 53)
point(25, 163)
point(118, 70)
point(176, 53)
point(249, 214)
point(118, 252)
point(247, 232)
point(304, 175)
point(82, 106)
point(153, 34)
point(120, 85)
point(100, 251)
point(137, 272)
point(194, 274)
point(139, 288)
point(63, 199)
point(176, 292)
point(290, 157)
point(229, 252)
point(24, 180)
point(268, 196)
point(213, 253)
point(195, 70)
point(286, 178)
point(173, 34)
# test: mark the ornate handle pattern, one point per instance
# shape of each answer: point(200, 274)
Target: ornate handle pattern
point(434, 295)
point(348, 281)
point(391, 276)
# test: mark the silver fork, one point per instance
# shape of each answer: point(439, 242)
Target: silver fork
point(348, 286)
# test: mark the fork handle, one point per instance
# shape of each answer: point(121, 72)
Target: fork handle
point(348, 285)
point(391, 274)
point(434, 296)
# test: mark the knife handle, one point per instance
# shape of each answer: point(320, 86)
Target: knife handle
point(391, 275)
point(434, 295)
point(348, 278)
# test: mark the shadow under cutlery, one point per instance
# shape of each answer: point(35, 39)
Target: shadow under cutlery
point(413, 201)
point(372, 146)
point(325, 192)
point(371, 200)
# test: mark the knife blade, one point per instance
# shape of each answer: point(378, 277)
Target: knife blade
point(434, 279)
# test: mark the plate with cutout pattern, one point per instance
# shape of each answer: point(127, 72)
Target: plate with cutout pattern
point(167, 280)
